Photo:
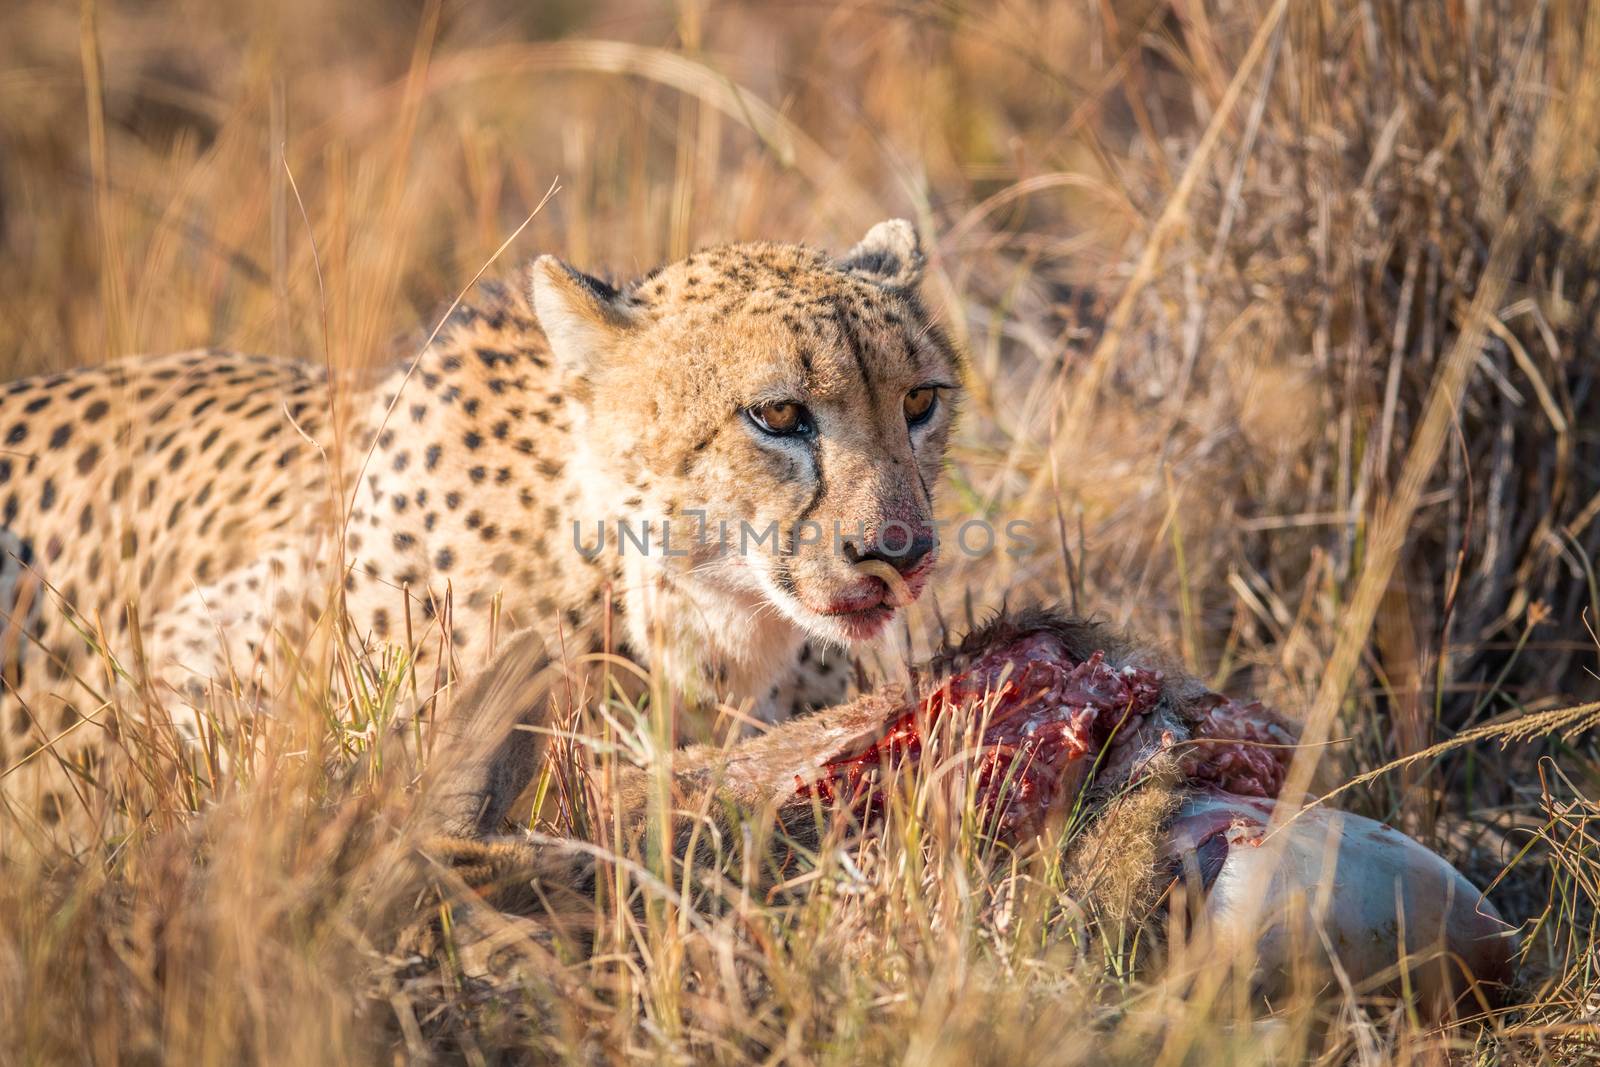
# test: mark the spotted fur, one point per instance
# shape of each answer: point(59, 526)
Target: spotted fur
point(194, 514)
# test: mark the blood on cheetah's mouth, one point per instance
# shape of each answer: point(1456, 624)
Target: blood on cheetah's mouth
point(862, 624)
point(881, 590)
point(862, 609)
point(860, 599)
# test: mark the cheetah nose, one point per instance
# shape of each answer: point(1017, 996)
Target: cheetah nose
point(903, 559)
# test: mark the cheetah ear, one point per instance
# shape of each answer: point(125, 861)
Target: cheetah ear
point(889, 254)
point(581, 316)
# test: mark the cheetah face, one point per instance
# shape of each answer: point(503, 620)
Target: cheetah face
point(783, 416)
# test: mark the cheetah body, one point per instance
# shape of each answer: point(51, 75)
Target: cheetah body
point(196, 516)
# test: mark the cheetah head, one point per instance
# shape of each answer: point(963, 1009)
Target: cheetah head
point(781, 414)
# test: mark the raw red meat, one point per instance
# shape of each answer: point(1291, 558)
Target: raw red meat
point(1037, 726)
point(1239, 748)
point(1050, 724)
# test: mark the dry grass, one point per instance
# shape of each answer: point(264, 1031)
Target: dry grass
point(1282, 328)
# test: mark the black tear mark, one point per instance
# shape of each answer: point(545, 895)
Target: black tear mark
point(853, 342)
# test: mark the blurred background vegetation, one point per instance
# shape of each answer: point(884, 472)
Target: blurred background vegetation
point(1209, 261)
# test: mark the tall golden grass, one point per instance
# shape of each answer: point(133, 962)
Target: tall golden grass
point(1281, 324)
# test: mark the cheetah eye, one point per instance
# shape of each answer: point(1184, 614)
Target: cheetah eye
point(781, 418)
point(919, 404)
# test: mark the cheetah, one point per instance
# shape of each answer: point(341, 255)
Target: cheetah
point(705, 463)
